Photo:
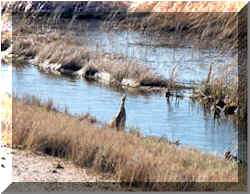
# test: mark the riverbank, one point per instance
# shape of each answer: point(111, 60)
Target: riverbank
point(202, 29)
point(71, 57)
point(207, 24)
point(128, 157)
point(38, 167)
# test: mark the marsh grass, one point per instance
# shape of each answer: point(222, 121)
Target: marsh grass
point(63, 53)
point(128, 157)
point(205, 29)
point(121, 67)
point(25, 48)
point(73, 52)
point(221, 85)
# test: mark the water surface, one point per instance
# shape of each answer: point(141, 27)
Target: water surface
point(192, 63)
point(178, 120)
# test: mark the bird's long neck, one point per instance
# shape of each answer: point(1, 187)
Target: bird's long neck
point(122, 104)
point(121, 108)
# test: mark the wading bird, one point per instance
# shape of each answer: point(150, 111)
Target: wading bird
point(179, 94)
point(230, 110)
point(119, 120)
point(223, 106)
point(168, 94)
point(219, 107)
point(229, 156)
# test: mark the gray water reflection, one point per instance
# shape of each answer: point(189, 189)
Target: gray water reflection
point(193, 64)
point(181, 120)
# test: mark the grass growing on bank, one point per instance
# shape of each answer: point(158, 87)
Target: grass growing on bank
point(57, 47)
point(204, 29)
point(118, 66)
point(217, 87)
point(215, 25)
point(128, 157)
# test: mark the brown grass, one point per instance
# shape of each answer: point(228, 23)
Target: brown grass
point(62, 53)
point(224, 84)
point(50, 47)
point(128, 157)
point(22, 51)
point(204, 29)
point(121, 67)
point(212, 26)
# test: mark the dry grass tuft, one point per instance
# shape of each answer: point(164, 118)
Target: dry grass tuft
point(224, 84)
point(63, 53)
point(23, 49)
point(121, 67)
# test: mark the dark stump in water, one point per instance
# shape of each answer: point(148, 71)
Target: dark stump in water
point(5, 44)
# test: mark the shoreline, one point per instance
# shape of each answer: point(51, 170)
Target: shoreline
point(151, 17)
point(28, 141)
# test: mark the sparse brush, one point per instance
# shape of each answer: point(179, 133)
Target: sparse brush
point(173, 76)
point(205, 29)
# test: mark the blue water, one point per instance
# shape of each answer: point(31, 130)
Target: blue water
point(183, 120)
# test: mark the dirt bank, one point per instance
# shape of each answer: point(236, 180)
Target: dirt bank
point(31, 167)
point(129, 157)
